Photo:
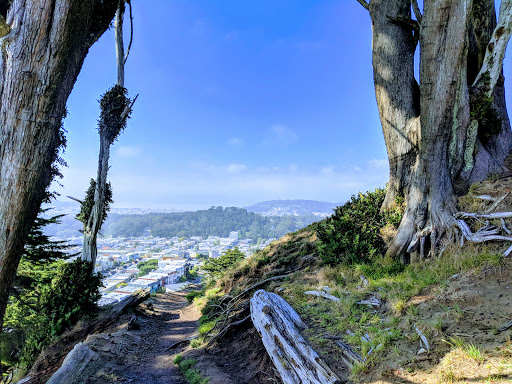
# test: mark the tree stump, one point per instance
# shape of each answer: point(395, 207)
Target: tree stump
point(279, 327)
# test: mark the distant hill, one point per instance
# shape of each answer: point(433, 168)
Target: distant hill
point(293, 208)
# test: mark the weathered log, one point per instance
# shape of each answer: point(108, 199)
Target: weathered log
point(278, 325)
point(52, 356)
point(76, 365)
point(324, 292)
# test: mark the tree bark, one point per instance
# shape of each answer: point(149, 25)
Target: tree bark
point(396, 90)
point(444, 122)
point(39, 62)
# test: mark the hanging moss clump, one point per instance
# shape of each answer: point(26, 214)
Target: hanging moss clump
point(113, 103)
point(88, 203)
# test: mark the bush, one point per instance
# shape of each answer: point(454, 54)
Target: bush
point(72, 295)
point(217, 266)
point(351, 235)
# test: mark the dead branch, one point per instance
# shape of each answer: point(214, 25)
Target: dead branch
point(417, 11)
point(496, 203)
point(223, 331)
point(128, 109)
point(259, 284)
point(131, 32)
point(496, 215)
point(485, 197)
point(324, 292)
point(364, 4)
point(349, 356)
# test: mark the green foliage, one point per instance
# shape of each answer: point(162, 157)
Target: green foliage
point(113, 103)
point(216, 221)
point(55, 304)
point(147, 266)
point(192, 375)
point(192, 295)
point(217, 266)
point(192, 274)
point(88, 203)
point(39, 264)
point(352, 234)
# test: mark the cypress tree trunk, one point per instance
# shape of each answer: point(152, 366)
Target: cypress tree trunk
point(396, 90)
point(39, 62)
point(438, 148)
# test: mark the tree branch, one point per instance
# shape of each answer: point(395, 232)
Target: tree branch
point(406, 22)
point(495, 53)
point(364, 4)
point(131, 31)
point(417, 11)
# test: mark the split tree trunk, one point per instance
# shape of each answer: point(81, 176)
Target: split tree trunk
point(444, 117)
point(39, 62)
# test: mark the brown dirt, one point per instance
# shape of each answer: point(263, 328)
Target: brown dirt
point(140, 355)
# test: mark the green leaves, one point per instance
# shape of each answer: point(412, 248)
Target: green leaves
point(352, 235)
point(218, 265)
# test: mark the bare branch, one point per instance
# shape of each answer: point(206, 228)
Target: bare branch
point(497, 215)
point(364, 4)
point(495, 53)
point(127, 110)
point(417, 11)
point(131, 32)
point(496, 203)
point(75, 199)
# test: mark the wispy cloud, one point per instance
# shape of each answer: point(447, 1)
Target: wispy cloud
point(128, 152)
point(201, 185)
point(281, 135)
point(236, 142)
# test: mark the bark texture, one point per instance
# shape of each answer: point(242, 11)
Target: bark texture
point(40, 60)
point(396, 90)
point(440, 142)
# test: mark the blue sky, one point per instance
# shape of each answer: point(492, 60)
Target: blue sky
point(239, 103)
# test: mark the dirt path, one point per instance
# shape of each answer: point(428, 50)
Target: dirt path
point(140, 356)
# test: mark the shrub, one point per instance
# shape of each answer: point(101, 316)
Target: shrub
point(351, 235)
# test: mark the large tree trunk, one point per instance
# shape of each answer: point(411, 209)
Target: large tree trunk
point(444, 121)
point(39, 62)
point(396, 90)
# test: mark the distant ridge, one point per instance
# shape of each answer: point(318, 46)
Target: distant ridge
point(293, 207)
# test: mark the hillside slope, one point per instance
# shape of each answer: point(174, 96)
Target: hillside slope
point(458, 302)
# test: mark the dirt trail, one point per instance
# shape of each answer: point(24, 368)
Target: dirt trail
point(140, 356)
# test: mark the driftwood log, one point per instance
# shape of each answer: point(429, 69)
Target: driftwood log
point(51, 358)
point(279, 326)
point(76, 366)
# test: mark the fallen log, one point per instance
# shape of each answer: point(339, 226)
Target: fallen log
point(51, 358)
point(278, 325)
point(76, 367)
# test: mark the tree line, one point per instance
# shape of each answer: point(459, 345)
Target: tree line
point(216, 221)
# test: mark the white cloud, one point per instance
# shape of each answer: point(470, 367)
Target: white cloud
point(236, 142)
point(236, 168)
point(127, 152)
point(279, 134)
point(202, 185)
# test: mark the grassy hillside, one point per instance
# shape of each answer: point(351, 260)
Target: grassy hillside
point(458, 300)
